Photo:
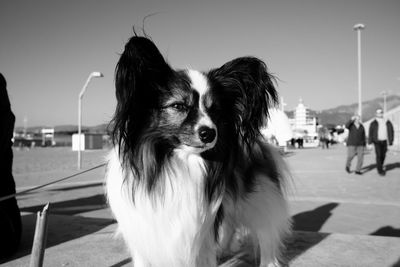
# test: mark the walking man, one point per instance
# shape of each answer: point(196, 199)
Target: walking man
point(355, 143)
point(381, 134)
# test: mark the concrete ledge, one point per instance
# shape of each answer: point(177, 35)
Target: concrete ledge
point(96, 249)
point(307, 249)
point(93, 244)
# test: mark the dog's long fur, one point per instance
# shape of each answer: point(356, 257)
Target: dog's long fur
point(189, 166)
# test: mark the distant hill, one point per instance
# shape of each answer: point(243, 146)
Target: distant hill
point(341, 114)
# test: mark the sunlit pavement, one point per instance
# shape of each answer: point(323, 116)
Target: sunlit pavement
point(340, 219)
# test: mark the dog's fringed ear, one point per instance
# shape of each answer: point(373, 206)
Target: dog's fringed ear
point(249, 89)
point(141, 71)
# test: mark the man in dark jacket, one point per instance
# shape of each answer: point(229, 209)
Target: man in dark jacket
point(381, 134)
point(355, 143)
point(10, 218)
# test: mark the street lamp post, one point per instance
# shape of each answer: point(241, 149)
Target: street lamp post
point(385, 94)
point(358, 28)
point(96, 75)
point(283, 104)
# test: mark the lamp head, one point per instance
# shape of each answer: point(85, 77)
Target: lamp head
point(97, 74)
point(359, 26)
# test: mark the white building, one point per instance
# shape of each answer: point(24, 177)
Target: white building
point(278, 128)
point(303, 122)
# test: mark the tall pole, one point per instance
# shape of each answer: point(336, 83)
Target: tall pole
point(358, 28)
point(93, 74)
point(283, 104)
point(384, 102)
point(385, 94)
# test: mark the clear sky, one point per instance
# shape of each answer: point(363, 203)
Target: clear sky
point(49, 47)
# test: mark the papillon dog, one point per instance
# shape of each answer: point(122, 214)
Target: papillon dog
point(189, 169)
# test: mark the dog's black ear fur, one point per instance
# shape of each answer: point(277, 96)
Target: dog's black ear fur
point(248, 89)
point(141, 71)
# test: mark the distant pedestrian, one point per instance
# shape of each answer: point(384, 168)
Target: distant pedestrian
point(381, 134)
point(10, 218)
point(324, 138)
point(355, 143)
point(293, 142)
point(300, 142)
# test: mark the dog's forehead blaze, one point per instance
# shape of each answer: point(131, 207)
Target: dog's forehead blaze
point(199, 83)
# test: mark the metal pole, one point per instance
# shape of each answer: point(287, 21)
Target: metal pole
point(283, 104)
point(80, 120)
point(385, 93)
point(384, 103)
point(40, 238)
point(93, 74)
point(79, 132)
point(359, 73)
point(358, 28)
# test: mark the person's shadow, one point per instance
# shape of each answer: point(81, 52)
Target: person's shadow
point(368, 168)
point(313, 220)
point(387, 231)
point(389, 167)
point(303, 224)
point(392, 166)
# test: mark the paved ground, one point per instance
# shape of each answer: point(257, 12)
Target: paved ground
point(340, 219)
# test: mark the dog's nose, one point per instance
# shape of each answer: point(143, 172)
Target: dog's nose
point(206, 134)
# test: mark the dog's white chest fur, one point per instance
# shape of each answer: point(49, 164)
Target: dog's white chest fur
point(171, 228)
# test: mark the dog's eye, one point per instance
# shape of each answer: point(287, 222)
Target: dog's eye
point(181, 107)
